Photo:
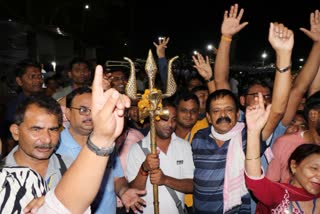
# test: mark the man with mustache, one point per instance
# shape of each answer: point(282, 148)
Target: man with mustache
point(74, 138)
point(36, 128)
point(172, 167)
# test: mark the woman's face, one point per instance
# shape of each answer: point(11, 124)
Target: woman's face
point(307, 174)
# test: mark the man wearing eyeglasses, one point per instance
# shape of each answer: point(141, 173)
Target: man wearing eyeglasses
point(74, 138)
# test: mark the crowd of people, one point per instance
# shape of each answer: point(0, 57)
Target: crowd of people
point(83, 148)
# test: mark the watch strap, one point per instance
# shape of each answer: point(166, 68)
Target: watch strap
point(100, 151)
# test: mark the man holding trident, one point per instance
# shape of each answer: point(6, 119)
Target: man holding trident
point(169, 166)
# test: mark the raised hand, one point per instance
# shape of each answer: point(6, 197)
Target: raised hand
point(231, 21)
point(108, 107)
point(280, 37)
point(314, 32)
point(161, 47)
point(257, 115)
point(203, 66)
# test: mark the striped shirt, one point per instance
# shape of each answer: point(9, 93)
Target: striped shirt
point(210, 162)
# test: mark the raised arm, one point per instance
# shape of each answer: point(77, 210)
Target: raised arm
point(315, 86)
point(204, 69)
point(230, 26)
point(79, 185)
point(256, 118)
point(162, 60)
point(281, 39)
point(308, 72)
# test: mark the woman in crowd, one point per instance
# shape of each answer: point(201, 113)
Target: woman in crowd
point(301, 194)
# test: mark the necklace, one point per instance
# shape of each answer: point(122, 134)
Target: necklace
point(314, 202)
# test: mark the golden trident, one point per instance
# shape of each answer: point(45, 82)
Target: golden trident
point(151, 103)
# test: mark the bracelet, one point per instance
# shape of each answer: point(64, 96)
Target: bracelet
point(142, 172)
point(253, 158)
point(210, 79)
point(226, 38)
point(281, 70)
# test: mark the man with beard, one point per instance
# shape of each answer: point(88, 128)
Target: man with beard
point(171, 168)
point(74, 137)
point(36, 128)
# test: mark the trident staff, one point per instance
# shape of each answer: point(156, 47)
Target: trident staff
point(150, 103)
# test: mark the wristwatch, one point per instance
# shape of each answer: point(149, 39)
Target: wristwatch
point(100, 151)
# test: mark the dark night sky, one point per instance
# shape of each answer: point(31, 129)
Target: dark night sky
point(190, 24)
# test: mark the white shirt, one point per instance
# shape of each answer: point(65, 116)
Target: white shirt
point(177, 163)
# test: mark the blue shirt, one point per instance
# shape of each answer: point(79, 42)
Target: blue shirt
point(210, 162)
point(105, 201)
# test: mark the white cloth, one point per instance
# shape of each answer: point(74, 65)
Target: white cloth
point(177, 163)
point(234, 186)
point(53, 206)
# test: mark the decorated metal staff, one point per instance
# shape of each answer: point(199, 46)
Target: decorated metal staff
point(151, 103)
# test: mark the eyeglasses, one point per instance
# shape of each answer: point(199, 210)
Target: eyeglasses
point(83, 110)
point(265, 96)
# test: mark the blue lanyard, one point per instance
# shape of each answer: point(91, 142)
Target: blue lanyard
point(314, 202)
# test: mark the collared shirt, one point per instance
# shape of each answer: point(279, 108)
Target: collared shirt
point(106, 198)
point(176, 163)
point(53, 174)
point(210, 162)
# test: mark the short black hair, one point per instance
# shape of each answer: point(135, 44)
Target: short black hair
point(185, 96)
point(243, 88)
point(21, 67)
point(78, 60)
point(199, 88)
point(168, 102)
point(75, 92)
point(42, 101)
point(220, 94)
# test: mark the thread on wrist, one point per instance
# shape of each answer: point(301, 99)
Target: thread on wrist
point(256, 158)
point(226, 38)
point(143, 172)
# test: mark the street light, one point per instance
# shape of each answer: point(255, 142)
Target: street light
point(54, 64)
point(195, 52)
point(264, 55)
point(209, 47)
point(87, 6)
